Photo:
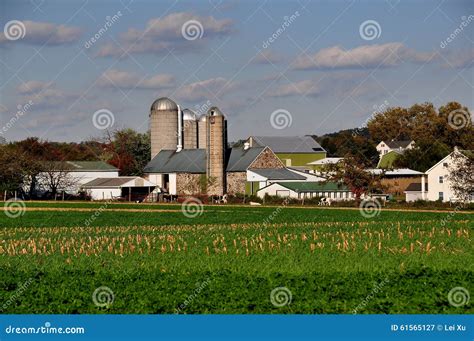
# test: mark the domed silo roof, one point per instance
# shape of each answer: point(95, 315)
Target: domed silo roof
point(203, 118)
point(214, 111)
point(189, 115)
point(164, 103)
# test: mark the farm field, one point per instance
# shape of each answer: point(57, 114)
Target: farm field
point(231, 259)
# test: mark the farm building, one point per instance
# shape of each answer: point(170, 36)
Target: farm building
point(73, 174)
point(131, 188)
point(190, 155)
point(395, 181)
point(292, 150)
point(436, 180)
point(393, 145)
point(307, 190)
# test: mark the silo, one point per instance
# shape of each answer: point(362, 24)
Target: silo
point(190, 129)
point(216, 152)
point(163, 125)
point(202, 132)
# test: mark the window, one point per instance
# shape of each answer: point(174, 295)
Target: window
point(445, 165)
point(441, 179)
point(440, 196)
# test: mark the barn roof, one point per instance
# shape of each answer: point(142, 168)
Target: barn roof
point(289, 144)
point(278, 174)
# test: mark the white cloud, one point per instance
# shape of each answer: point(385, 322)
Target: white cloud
point(202, 90)
point(43, 33)
point(301, 88)
point(267, 57)
point(126, 80)
point(164, 34)
point(366, 56)
point(460, 59)
point(33, 86)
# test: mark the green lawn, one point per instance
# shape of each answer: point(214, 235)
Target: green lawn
point(230, 259)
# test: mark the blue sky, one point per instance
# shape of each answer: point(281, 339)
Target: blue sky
point(323, 72)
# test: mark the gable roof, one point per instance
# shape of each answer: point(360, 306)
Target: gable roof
point(464, 152)
point(326, 161)
point(387, 160)
point(84, 166)
point(194, 160)
point(130, 181)
point(313, 186)
point(278, 174)
point(398, 144)
point(289, 144)
point(239, 159)
point(185, 161)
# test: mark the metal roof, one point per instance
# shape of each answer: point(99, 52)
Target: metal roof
point(118, 182)
point(185, 161)
point(289, 144)
point(395, 172)
point(164, 103)
point(189, 115)
point(313, 186)
point(398, 144)
point(240, 159)
point(278, 174)
point(326, 161)
point(194, 160)
point(84, 166)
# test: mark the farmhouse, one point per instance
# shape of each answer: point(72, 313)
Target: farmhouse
point(435, 183)
point(400, 146)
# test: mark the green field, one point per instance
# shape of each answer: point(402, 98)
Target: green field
point(229, 259)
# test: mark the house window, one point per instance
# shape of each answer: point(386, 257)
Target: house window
point(445, 165)
point(441, 179)
point(440, 196)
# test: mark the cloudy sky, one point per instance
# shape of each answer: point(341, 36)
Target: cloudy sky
point(70, 68)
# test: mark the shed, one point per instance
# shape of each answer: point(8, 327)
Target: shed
point(131, 188)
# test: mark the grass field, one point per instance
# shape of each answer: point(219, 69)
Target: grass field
point(229, 259)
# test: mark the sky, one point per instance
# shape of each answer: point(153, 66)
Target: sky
point(70, 70)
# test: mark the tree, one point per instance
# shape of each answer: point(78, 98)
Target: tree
point(423, 156)
point(128, 150)
point(461, 177)
point(353, 173)
point(55, 177)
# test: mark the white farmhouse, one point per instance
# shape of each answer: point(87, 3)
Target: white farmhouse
point(398, 146)
point(435, 184)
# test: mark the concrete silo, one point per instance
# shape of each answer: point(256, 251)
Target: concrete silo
point(190, 129)
point(216, 149)
point(163, 125)
point(202, 132)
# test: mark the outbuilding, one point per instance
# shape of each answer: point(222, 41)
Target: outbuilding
point(307, 190)
point(129, 188)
